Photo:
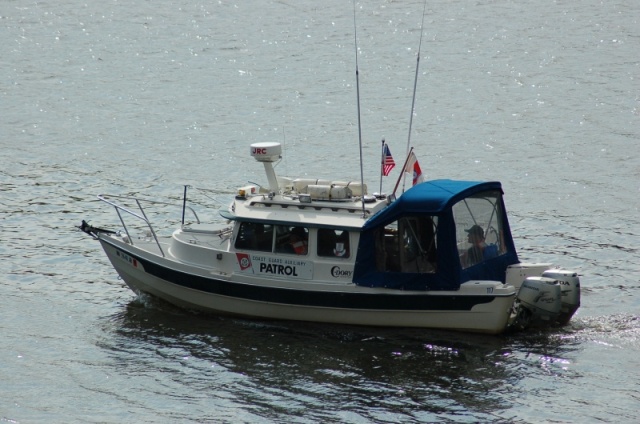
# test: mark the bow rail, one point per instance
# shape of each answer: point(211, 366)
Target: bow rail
point(140, 214)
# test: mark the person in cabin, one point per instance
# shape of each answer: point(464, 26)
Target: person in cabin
point(475, 254)
point(298, 241)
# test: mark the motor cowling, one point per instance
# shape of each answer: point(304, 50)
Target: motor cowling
point(542, 297)
point(569, 283)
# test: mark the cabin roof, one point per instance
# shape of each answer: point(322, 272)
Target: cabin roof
point(285, 211)
point(431, 197)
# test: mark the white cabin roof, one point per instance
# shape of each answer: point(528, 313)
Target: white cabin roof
point(289, 210)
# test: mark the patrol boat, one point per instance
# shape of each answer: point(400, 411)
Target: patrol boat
point(440, 255)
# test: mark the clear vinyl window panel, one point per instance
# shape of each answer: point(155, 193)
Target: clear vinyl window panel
point(479, 227)
point(408, 245)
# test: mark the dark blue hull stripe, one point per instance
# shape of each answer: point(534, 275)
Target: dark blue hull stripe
point(336, 299)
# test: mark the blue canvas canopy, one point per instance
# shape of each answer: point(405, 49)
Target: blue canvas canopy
point(434, 201)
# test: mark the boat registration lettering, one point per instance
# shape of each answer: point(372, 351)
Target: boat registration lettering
point(127, 258)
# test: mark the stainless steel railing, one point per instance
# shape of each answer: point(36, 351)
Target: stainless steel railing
point(141, 215)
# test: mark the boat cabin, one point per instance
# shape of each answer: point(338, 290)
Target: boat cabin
point(436, 236)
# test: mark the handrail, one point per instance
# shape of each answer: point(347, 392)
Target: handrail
point(142, 216)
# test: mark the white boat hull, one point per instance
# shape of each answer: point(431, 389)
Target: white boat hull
point(480, 306)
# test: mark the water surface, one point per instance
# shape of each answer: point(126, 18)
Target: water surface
point(143, 98)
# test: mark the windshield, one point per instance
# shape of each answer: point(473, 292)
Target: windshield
point(479, 227)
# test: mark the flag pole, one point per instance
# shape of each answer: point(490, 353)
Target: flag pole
point(382, 157)
point(404, 169)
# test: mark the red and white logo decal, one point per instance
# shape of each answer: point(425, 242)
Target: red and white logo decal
point(244, 261)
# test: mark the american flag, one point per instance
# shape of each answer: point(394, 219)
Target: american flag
point(387, 162)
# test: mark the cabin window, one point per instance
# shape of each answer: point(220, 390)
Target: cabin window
point(408, 245)
point(479, 227)
point(333, 243)
point(254, 236)
point(292, 240)
point(269, 238)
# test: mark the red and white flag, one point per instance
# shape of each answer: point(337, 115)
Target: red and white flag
point(413, 168)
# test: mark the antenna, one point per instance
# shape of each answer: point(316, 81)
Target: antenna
point(415, 85)
point(355, 38)
point(284, 146)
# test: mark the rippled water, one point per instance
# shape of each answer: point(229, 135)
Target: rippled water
point(142, 98)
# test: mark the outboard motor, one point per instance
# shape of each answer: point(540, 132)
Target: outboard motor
point(540, 301)
point(570, 287)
